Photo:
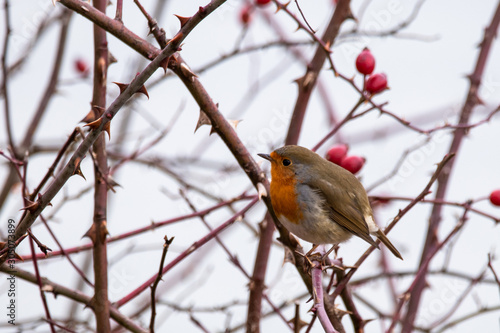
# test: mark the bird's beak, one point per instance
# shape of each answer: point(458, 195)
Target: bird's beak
point(267, 157)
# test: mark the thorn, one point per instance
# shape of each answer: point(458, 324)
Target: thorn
point(90, 117)
point(282, 6)
point(143, 90)
point(107, 128)
point(94, 113)
point(187, 71)
point(339, 312)
point(95, 124)
point(351, 16)
point(31, 205)
point(183, 20)
point(261, 189)
point(111, 58)
point(112, 183)
point(54, 2)
point(176, 38)
point(40, 199)
point(164, 64)
point(328, 45)
point(122, 86)
point(78, 170)
point(202, 120)
point(45, 249)
point(18, 257)
point(91, 233)
point(212, 130)
point(300, 82)
point(479, 100)
point(234, 123)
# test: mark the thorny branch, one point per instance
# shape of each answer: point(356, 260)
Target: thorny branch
point(169, 57)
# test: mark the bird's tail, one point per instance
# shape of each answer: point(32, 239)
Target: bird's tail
point(383, 238)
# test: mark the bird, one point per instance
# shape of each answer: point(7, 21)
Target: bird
point(319, 201)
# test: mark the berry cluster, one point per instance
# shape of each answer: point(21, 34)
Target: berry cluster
point(338, 155)
point(365, 64)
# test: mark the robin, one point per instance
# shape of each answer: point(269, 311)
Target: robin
point(319, 201)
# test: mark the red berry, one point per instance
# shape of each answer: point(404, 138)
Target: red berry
point(365, 62)
point(352, 163)
point(81, 66)
point(337, 153)
point(495, 197)
point(262, 2)
point(246, 14)
point(376, 83)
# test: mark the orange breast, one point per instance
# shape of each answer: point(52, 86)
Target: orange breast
point(284, 200)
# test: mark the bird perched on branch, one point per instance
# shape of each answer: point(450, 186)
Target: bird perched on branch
point(319, 201)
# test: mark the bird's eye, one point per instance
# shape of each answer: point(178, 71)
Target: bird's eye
point(286, 162)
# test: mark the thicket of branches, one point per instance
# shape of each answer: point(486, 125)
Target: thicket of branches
point(218, 181)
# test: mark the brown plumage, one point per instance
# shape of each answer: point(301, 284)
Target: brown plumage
point(320, 201)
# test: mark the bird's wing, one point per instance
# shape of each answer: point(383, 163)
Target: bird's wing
point(350, 215)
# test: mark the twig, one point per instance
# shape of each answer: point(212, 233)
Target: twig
point(318, 308)
point(198, 323)
point(61, 248)
point(307, 82)
point(296, 319)
point(119, 10)
point(490, 265)
point(157, 281)
point(5, 79)
point(348, 117)
point(346, 295)
point(458, 320)
point(311, 30)
point(392, 31)
point(41, 289)
point(44, 248)
point(158, 32)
